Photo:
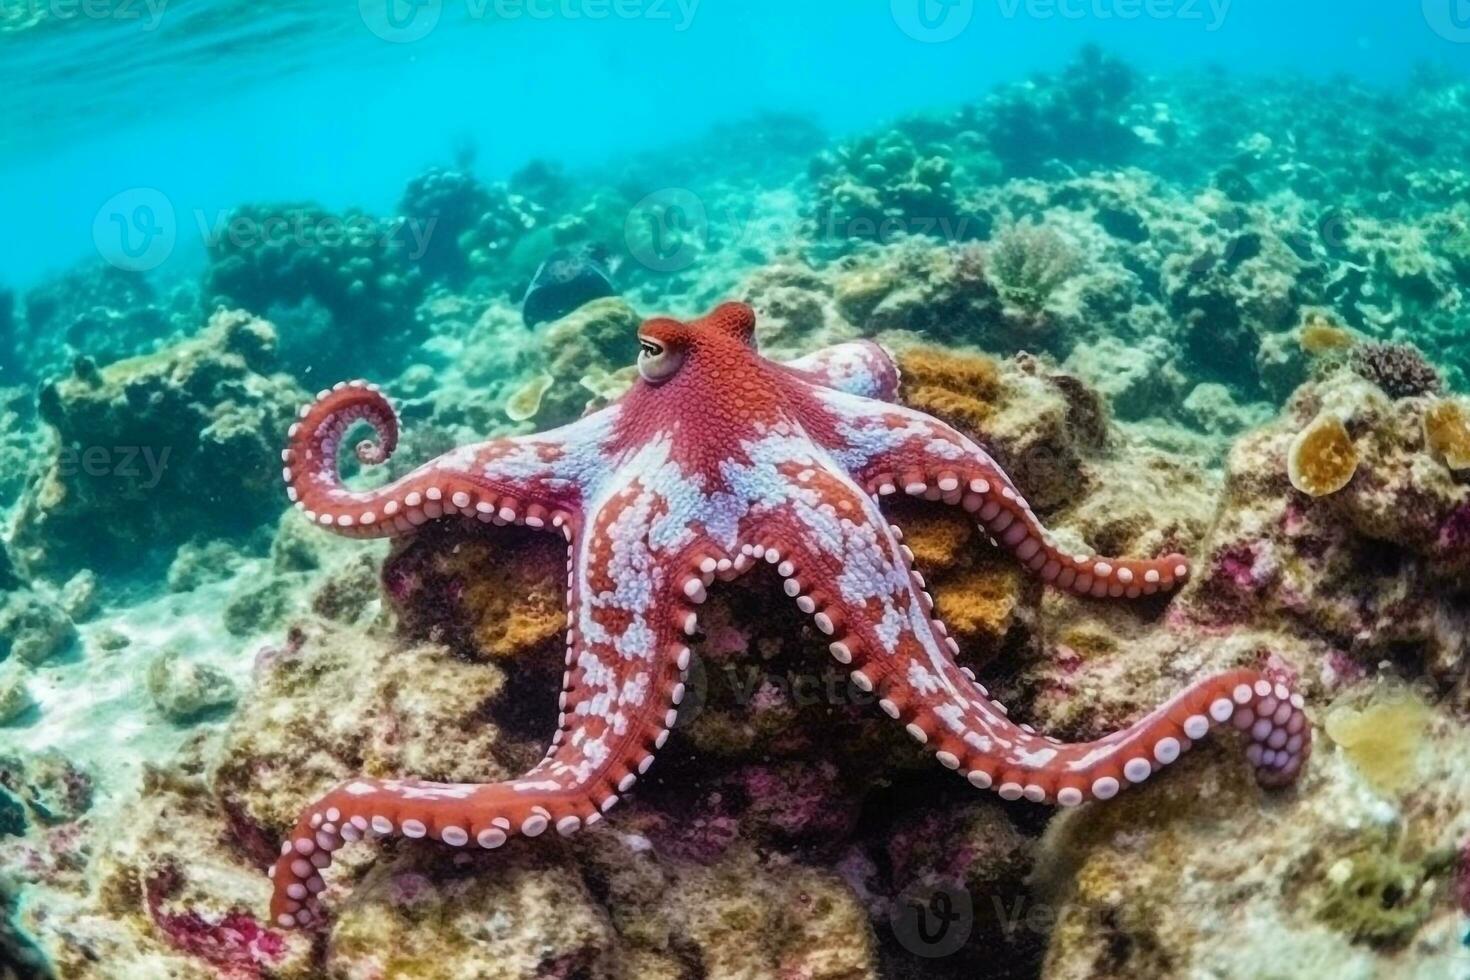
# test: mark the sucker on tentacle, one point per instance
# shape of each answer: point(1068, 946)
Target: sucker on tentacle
point(715, 461)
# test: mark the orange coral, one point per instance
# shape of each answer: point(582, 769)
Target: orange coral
point(514, 606)
point(979, 604)
point(962, 389)
point(500, 597)
point(1447, 433)
point(940, 537)
point(976, 592)
point(1322, 458)
point(1320, 335)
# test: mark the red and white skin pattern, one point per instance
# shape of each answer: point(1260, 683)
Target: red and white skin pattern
point(716, 460)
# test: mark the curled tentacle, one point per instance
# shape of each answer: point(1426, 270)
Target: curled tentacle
point(532, 480)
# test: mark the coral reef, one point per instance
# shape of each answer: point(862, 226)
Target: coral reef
point(1029, 264)
point(586, 356)
point(328, 275)
point(139, 446)
point(96, 311)
point(467, 228)
point(1447, 433)
point(1399, 369)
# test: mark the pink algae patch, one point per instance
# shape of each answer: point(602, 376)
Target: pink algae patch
point(236, 944)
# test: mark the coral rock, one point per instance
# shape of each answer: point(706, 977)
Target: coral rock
point(184, 689)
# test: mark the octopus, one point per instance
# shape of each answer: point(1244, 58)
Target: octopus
point(716, 460)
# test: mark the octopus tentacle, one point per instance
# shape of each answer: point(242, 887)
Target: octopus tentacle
point(861, 368)
point(627, 661)
point(861, 592)
point(522, 480)
point(894, 450)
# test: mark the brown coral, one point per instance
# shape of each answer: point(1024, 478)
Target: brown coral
point(1401, 370)
point(962, 389)
point(1322, 458)
point(1447, 433)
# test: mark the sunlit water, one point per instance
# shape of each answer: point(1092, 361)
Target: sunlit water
point(213, 103)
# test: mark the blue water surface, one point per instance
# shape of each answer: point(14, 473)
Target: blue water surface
point(214, 103)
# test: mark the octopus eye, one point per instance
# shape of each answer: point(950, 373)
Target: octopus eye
point(656, 362)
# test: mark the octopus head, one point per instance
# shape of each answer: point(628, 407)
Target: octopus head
point(664, 344)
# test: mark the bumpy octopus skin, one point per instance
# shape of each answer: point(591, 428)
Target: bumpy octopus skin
point(717, 460)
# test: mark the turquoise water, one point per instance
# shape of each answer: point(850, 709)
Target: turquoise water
point(216, 103)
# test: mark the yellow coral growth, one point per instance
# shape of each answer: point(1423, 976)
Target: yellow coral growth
point(1320, 335)
point(1382, 740)
point(514, 597)
point(526, 401)
point(980, 603)
point(1447, 433)
point(962, 389)
point(1322, 458)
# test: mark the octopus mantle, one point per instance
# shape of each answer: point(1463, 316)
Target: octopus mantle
point(716, 460)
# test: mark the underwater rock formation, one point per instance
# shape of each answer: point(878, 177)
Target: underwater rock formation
point(340, 285)
point(140, 446)
point(95, 310)
point(34, 627)
point(467, 228)
point(183, 689)
point(584, 357)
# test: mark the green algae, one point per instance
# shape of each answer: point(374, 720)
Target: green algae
point(1379, 895)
